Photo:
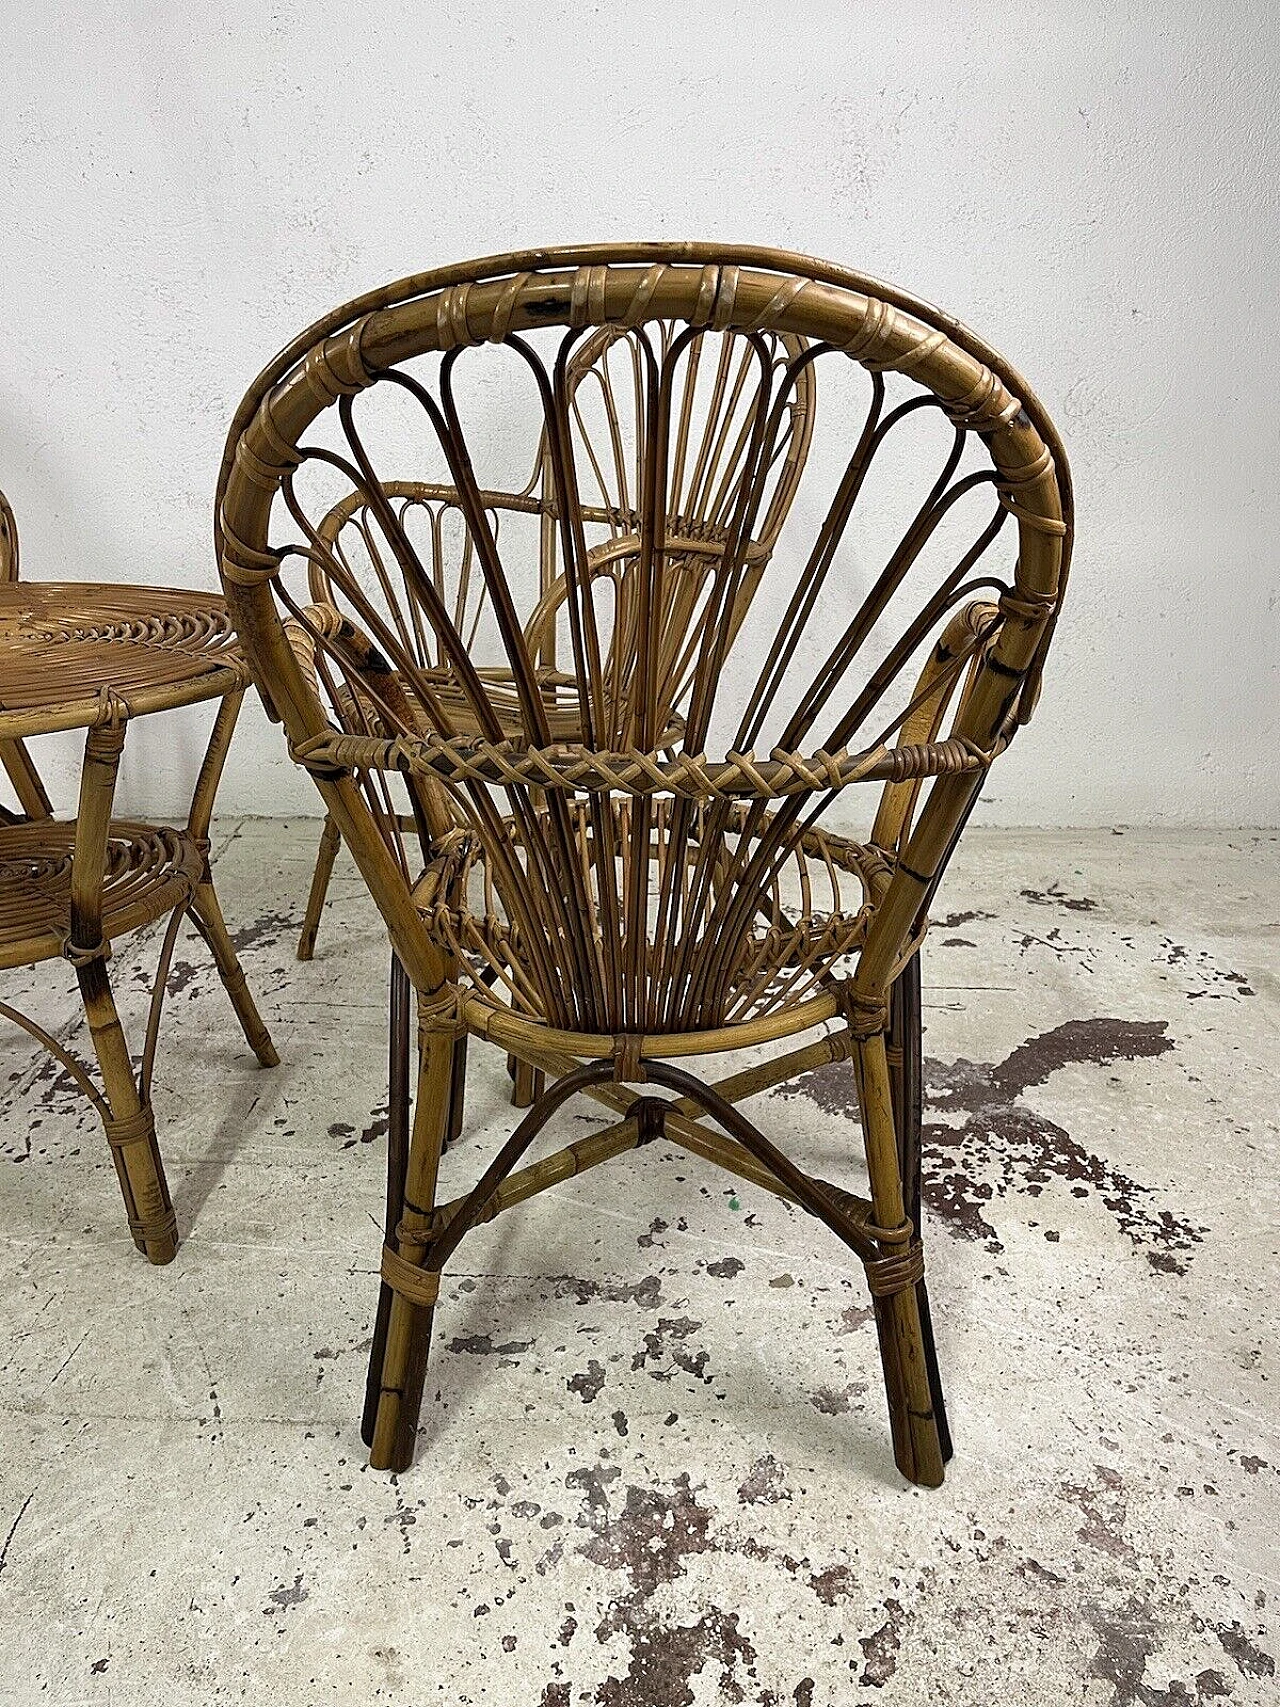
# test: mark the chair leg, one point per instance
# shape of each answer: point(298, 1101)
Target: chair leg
point(207, 917)
point(402, 1368)
point(906, 1072)
point(131, 1128)
point(917, 1443)
point(458, 1089)
point(527, 1083)
point(330, 842)
point(399, 1111)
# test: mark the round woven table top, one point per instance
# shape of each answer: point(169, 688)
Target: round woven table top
point(73, 654)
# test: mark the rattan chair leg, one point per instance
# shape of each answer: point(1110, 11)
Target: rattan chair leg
point(527, 1082)
point(401, 1369)
point(906, 1073)
point(327, 853)
point(130, 1125)
point(207, 917)
point(458, 1089)
point(917, 1444)
point(399, 1114)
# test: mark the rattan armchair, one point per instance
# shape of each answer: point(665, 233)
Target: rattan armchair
point(650, 879)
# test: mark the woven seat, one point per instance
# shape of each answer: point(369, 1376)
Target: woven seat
point(814, 915)
point(149, 872)
point(595, 797)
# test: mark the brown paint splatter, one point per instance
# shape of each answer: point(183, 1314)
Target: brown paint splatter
point(1001, 1146)
point(1126, 1639)
point(836, 1401)
point(763, 1484)
point(665, 1657)
point(647, 1292)
point(264, 931)
point(726, 1268)
point(666, 1351)
point(834, 1584)
point(588, 1382)
point(1056, 896)
point(1105, 1508)
point(481, 1345)
point(989, 1144)
point(1248, 1659)
point(881, 1648)
point(647, 1539)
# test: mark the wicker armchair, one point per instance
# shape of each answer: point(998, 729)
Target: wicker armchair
point(617, 862)
point(716, 392)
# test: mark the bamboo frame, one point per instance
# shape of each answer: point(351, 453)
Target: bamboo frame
point(97, 656)
point(598, 896)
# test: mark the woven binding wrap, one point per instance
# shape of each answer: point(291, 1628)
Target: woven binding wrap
point(419, 1286)
point(131, 1128)
point(897, 1271)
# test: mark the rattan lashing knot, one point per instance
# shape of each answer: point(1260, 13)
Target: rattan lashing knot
point(441, 1011)
point(866, 1015)
point(136, 1128)
point(650, 1116)
point(628, 1067)
point(1026, 604)
point(897, 1271)
point(84, 954)
point(985, 407)
point(106, 733)
point(417, 1286)
point(159, 1229)
point(310, 752)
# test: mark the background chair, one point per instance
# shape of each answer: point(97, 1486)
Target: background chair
point(650, 879)
point(19, 766)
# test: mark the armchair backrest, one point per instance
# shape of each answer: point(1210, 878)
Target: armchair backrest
point(634, 810)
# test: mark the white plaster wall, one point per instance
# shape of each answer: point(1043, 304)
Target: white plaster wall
point(1090, 185)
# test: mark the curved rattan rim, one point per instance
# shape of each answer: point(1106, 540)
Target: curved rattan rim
point(761, 257)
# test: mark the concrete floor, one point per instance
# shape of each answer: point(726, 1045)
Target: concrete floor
point(655, 1466)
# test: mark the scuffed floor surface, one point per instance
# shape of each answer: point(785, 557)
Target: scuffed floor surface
point(655, 1468)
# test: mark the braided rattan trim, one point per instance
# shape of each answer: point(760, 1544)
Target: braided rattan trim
point(420, 1286)
point(571, 767)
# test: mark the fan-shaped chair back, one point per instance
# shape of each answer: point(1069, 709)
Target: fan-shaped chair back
point(636, 698)
point(586, 784)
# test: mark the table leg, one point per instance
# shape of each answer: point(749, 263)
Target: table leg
point(130, 1129)
point(206, 912)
